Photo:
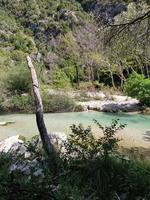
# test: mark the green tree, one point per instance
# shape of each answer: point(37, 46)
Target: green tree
point(139, 87)
point(60, 79)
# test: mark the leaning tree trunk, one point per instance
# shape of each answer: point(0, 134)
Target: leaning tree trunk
point(48, 147)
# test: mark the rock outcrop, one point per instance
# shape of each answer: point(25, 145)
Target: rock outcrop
point(13, 144)
point(119, 103)
point(99, 101)
point(106, 11)
point(17, 143)
point(29, 163)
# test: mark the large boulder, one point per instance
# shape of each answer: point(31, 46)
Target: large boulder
point(117, 107)
point(13, 144)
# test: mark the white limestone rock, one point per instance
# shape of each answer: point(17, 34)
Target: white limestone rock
point(96, 95)
point(119, 103)
point(13, 144)
point(58, 139)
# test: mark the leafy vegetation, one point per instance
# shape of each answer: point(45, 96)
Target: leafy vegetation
point(18, 81)
point(58, 103)
point(75, 44)
point(89, 168)
point(139, 87)
point(67, 44)
point(25, 103)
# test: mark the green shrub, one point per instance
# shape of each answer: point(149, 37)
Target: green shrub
point(18, 56)
point(60, 79)
point(78, 108)
point(139, 87)
point(102, 169)
point(146, 111)
point(22, 103)
point(84, 146)
point(18, 80)
point(25, 103)
point(83, 96)
point(58, 103)
point(17, 103)
point(22, 42)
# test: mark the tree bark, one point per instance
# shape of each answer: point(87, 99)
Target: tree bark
point(147, 70)
point(47, 145)
point(77, 77)
point(111, 75)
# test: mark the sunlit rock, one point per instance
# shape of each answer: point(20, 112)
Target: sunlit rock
point(118, 103)
point(6, 123)
point(13, 144)
point(58, 139)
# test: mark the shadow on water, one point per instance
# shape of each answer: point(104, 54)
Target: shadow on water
point(146, 136)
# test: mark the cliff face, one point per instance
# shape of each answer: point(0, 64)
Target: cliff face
point(106, 12)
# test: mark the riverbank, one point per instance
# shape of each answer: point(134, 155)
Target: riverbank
point(57, 101)
point(101, 101)
point(26, 172)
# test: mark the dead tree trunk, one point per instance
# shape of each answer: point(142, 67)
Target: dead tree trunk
point(48, 147)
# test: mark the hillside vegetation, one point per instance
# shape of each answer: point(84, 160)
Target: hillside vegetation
point(73, 43)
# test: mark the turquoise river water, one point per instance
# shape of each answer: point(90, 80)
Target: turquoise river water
point(136, 133)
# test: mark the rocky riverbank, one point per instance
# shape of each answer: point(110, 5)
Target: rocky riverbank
point(30, 163)
point(69, 101)
point(100, 101)
point(124, 104)
point(17, 146)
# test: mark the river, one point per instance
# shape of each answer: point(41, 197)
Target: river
point(136, 133)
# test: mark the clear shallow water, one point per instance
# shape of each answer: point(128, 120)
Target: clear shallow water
point(137, 132)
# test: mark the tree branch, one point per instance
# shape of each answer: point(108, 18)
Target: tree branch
point(138, 19)
point(123, 26)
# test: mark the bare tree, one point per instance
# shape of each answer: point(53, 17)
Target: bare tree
point(48, 147)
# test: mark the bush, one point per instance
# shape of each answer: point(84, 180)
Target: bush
point(18, 103)
point(18, 80)
point(57, 103)
point(139, 87)
point(102, 170)
point(83, 145)
point(22, 42)
point(22, 103)
point(25, 103)
point(146, 111)
point(60, 79)
point(90, 169)
point(78, 108)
